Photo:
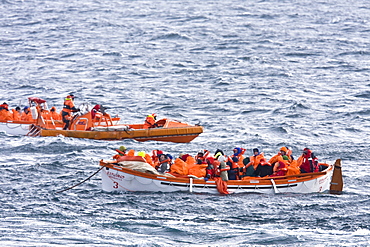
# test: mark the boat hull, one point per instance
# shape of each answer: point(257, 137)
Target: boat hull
point(117, 178)
point(15, 127)
point(177, 135)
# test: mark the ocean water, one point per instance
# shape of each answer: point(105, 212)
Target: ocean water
point(254, 73)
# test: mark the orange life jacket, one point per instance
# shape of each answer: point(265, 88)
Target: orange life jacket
point(16, 115)
point(54, 114)
point(6, 115)
point(255, 160)
point(149, 122)
point(68, 106)
point(26, 116)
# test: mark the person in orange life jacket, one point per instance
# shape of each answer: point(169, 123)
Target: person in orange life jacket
point(279, 156)
point(17, 114)
point(155, 156)
point(121, 152)
point(234, 162)
point(233, 172)
point(164, 164)
point(254, 161)
point(5, 114)
point(4, 106)
point(68, 108)
point(150, 121)
point(54, 114)
point(4, 110)
point(263, 169)
point(26, 114)
point(281, 169)
point(201, 156)
point(238, 152)
point(45, 114)
point(308, 162)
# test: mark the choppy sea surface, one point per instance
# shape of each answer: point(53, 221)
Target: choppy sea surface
point(254, 73)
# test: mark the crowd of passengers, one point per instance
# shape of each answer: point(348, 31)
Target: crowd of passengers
point(16, 114)
point(236, 166)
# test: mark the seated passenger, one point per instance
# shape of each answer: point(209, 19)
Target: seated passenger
point(238, 153)
point(235, 162)
point(17, 114)
point(121, 152)
point(201, 157)
point(210, 170)
point(263, 169)
point(253, 163)
point(150, 121)
point(279, 156)
point(26, 114)
point(219, 155)
point(5, 114)
point(281, 169)
point(164, 164)
point(54, 114)
point(45, 114)
point(308, 162)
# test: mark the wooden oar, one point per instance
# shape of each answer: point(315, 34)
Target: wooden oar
point(336, 185)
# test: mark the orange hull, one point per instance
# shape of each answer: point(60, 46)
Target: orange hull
point(177, 134)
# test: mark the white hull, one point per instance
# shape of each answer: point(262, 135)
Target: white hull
point(13, 128)
point(116, 178)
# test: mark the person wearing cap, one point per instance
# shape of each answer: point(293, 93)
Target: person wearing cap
point(284, 151)
point(150, 121)
point(121, 152)
point(68, 108)
point(253, 163)
point(26, 114)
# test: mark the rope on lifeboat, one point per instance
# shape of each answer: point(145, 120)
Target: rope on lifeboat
point(83, 180)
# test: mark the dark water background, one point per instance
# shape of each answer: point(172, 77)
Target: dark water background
point(253, 73)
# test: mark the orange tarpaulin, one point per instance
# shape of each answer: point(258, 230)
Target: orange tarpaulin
point(221, 186)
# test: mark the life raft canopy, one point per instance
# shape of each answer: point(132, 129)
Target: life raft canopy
point(36, 100)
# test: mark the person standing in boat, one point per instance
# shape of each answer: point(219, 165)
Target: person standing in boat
point(150, 121)
point(68, 108)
